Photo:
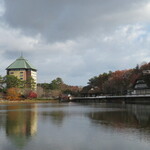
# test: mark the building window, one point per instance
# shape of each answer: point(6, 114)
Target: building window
point(21, 75)
point(21, 78)
point(21, 72)
point(11, 72)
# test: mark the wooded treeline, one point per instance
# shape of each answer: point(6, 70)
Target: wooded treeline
point(57, 87)
point(118, 82)
point(13, 88)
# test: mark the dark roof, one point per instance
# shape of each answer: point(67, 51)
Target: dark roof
point(140, 84)
point(20, 63)
point(89, 89)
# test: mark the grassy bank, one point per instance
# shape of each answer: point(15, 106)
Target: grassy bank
point(30, 101)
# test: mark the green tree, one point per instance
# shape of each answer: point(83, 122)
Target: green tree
point(11, 81)
point(99, 81)
point(56, 84)
point(93, 81)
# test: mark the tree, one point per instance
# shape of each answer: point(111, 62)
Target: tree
point(11, 81)
point(45, 86)
point(56, 84)
point(99, 81)
point(32, 95)
point(118, 82)
point(93, 81)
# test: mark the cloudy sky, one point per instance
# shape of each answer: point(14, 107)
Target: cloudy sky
point(75, 39)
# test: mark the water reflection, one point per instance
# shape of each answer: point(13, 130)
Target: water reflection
point(56, 117)
point(130, 116)
point(20, 123)
point(142, 114)
point(121, 116)
point(70, 126)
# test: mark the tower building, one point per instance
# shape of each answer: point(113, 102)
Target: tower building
point(22, 69)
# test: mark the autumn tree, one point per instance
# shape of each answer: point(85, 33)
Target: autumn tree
point(13, 94)
point(32, 94)
point(117, 82)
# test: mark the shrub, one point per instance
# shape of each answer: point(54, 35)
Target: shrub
point(32, 95)
point(13, 94)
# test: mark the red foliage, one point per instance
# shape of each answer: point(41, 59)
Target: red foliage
point(32, 95)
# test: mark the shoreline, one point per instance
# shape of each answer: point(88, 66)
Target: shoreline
point(28, 101)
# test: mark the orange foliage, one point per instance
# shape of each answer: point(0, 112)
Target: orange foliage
point(118, 74)
point(13, 94)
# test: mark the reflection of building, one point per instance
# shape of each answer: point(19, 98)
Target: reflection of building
point(21, 124)
point(142, 113)
point(22, 69)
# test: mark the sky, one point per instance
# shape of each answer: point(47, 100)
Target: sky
point(75, 39)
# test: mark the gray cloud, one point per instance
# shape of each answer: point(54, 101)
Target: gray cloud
point(68, 19)
point(75, 39)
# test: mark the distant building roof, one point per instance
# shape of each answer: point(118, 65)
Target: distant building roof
point(20, 63)
point(145, 72)
point(140, 84)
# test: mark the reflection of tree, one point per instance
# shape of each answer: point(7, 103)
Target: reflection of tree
point(118, 119)
point(131, 118)
point(2, 116)
point(136, 116)
point(21, 123)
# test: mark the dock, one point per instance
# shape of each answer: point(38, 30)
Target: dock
point(128, 99)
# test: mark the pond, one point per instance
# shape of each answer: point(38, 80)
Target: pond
point(74, 126)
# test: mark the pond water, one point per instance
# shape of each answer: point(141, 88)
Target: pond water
point(73, 126)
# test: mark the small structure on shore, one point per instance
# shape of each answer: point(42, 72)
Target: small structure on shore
point(89, 91)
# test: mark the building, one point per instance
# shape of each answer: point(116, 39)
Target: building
point(22, 69)
point(146, 72)
point(141, 87)
point(89, 91)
